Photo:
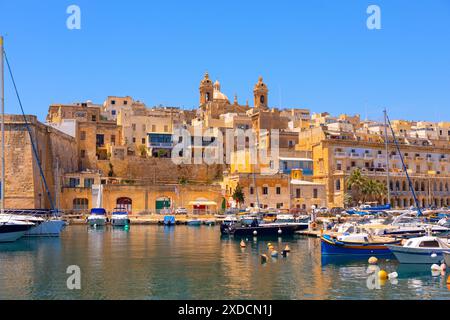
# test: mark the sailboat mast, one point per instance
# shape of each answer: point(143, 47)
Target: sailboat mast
point(386, 141)
point(2, 102)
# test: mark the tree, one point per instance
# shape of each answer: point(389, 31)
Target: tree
point(238, 195)
point(364, 189)
point(143, 150)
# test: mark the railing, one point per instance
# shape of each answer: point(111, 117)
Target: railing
point(160, 145)
point(340, 154)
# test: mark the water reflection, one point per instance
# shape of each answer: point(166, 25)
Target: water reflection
point(181, 262)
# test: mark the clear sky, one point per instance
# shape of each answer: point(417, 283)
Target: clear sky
point(315, 54)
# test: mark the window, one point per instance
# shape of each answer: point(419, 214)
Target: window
point(144, 127)
point(252, 205)
point(100, 140)
point(125, 103)
point(166, 128)
point(88, 182)
point(113, 139)
point(338, 185)
point(278, 190)
point(338, 166)
point(133, 126)
point(143, 141)
point(315, 193)
point(113, 112)
point(134, 140)
point(279, 205)
point(113, 102)
point(94, 118)
point(82, 153)
point(429, 244)
point(74, 182)
point(80, 204)
point(265, 190)
point(83, 135)
point(252, 191)
point(353, 164)
point(298, 193)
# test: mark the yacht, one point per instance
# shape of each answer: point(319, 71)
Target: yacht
point(422, 250)
point(97, 217)
point(120, 218)
point(11, 230)
point(45, 225)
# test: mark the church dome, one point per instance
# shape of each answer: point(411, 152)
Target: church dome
point(217, 94)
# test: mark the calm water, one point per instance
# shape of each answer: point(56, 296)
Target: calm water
point(154, 262)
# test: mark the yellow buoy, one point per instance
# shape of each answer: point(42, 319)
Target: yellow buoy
point(382, 275)
point(271, 248)
point(373, 260)
point(269, 245)
point(243, 245)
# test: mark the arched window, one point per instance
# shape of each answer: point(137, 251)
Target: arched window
point(262, 99)
point(80, 204)
point(124, 204)
point(338, 185)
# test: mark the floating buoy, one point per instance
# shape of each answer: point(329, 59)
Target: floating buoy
point(263, 258)
point(269, 245)
point(393, 275)
point(287, 249)
point(243, 245)
point(382, 275)
point(280, 231)
point(255, 233)
point(274, 253)
point(271, 248)
point(373, 260)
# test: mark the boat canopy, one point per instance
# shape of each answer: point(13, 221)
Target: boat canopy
point(169, 219)
point(99, 211)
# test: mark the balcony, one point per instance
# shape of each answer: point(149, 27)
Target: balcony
point(340, 154)
point(160, 145)
point(395, 157)
point(381, 157)
point(444, 160)
point(419, 158)
point(355, 155)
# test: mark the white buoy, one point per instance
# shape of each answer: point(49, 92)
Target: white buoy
point(435, 267)
point(255, 233)
point(393, 275)
point(280, 231)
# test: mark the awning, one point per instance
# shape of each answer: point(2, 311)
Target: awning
point(202, 203)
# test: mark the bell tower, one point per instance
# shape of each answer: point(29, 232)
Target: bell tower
point(206, 89)
point(261, 95)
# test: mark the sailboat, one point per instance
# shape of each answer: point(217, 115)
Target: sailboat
point(43, 222)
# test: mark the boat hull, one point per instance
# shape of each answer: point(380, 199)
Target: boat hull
point(418, 255)
point(121, 222)
point(97, 222)
point(50, 228)
point(12, 232)
point(194, 223)
point(330, 246)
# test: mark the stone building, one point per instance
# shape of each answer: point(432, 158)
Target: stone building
point(58, 154)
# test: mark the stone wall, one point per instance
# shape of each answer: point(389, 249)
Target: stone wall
point(24, 185)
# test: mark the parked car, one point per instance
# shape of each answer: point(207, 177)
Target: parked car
point(181, 211)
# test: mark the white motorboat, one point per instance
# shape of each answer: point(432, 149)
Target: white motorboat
point(97, 217)
point(447, 258)
point(50, 227)
point(120, 219)
point(421, 250)
point(12, 230)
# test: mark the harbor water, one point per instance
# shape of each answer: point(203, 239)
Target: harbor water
point(183, 262)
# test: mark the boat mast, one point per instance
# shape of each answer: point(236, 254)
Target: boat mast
point(386, 142)
point(2, 102)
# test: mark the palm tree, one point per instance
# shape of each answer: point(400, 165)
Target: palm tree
point(364, 189)
point(355, 184)
point(238, 195)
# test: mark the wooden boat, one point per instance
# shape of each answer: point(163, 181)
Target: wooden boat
point(356, 244)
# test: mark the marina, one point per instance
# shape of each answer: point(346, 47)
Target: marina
point(158, 262)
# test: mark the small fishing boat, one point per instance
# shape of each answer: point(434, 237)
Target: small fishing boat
point(421, 250)
point(194, 222)
point(169, 221)
point(120, 218)
point(356, 244)
point(97, 217)
point(12, 230)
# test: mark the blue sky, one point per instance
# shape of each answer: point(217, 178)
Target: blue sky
point(315, 54)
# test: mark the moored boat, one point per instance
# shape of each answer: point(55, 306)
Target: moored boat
point(421, 250)
point(356, 244)
point(120, 218)
point(169, 220)
point(447, 258)
point(194, 222)
point(97, 217)
point(12, 230)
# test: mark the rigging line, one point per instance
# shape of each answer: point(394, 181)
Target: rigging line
point(30, 134)
point(411, 187)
